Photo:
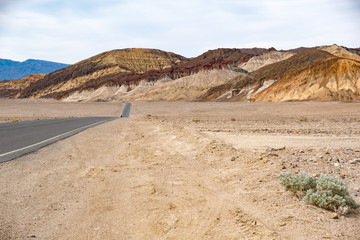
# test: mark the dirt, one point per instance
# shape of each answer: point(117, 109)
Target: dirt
point(185, 171)
point(15, 110)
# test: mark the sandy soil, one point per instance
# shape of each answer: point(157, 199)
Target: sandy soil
point(14, 110)
point(186, 171)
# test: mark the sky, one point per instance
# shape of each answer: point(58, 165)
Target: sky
point(69, 31)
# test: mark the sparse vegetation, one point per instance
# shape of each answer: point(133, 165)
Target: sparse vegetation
point(233, 119)
point(196, 120)
point(329, 193)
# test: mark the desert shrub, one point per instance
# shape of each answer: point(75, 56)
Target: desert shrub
point(326, 192)
point(297, 182)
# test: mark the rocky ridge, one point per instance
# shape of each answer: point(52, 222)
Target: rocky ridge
point(313, 74)
point(326, 73)
point(106, 72)
point(9, 89)
point(106, 67)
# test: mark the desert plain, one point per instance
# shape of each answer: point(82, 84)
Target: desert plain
point(181, 170)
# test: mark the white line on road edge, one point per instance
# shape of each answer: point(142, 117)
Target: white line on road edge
point(49, 139)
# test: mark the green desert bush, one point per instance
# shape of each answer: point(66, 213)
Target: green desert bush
point(326, 192)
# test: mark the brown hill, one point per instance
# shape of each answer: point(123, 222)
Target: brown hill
point(264, 59)
point(106, 66)
point(122, 68)
point(184, 81)
point(353, 50)
point(340, 52)
point(310, 75)
point(319, 73)
point(9, 89)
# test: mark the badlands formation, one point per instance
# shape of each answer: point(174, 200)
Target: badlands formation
point(326, 73)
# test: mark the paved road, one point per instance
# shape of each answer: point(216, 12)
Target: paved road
point(19, 138)
point(126, 110)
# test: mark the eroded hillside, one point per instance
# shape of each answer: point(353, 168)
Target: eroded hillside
point(313, 74)
point(105, 67)
point(9, 89)
point(326, 73)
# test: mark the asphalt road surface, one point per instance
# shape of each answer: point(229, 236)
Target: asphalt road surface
point(19, 138)
point(126, 110)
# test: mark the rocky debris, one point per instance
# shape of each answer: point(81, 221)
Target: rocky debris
point(276, 149)
point(354, 161)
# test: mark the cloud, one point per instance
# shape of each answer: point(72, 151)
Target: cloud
point(69, 31)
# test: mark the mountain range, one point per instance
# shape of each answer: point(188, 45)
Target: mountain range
point(11, 70)
point(325, 73)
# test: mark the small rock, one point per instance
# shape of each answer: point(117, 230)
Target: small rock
point(336, 164)
point(273, 155)
point(334, 216)
point(233, 159)
point(356, 160)
point(277, 149)
point(282, 224)
point(172, 206)
point(283, 167)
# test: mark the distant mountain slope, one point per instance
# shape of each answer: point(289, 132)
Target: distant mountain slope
point(326, 73)
point(205, 68)
point(112, 67)
point(313, 74)
point(10, 70)
point(340, 52)
point(9, 89)
point(128, 67)
point(264, 59)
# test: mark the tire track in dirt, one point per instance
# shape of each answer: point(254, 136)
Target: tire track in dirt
point(199, 204)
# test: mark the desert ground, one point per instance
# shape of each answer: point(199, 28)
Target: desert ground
point(181, 170)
